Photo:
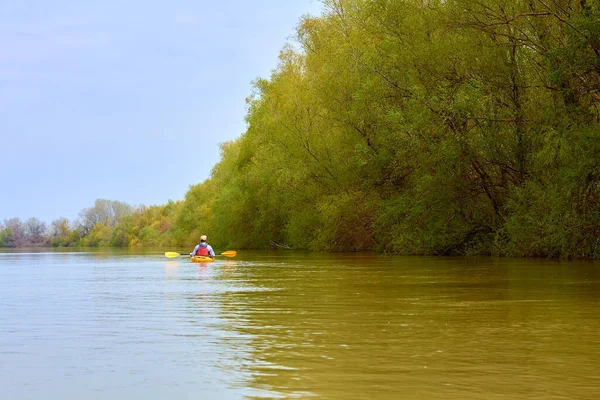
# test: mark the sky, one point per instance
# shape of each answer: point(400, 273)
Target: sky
point(126, 100)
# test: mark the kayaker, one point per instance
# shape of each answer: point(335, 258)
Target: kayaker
point(203, 249)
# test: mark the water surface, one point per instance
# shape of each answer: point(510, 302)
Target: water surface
point(121, 325)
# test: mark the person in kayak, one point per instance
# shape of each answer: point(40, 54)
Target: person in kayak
point(203, 249)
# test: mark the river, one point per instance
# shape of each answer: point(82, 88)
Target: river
point(277, 325)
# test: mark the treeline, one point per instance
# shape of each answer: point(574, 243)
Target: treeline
point(423, 127)
point(106, 224)
point(112, 223)
point(414, 127)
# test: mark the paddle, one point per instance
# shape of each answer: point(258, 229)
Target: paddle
point(172, 254)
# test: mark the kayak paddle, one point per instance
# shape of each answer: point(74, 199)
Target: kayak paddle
point(172, 254)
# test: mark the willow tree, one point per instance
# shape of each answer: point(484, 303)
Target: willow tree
point(429, 127)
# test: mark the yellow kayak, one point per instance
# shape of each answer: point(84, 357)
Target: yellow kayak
point(202, 259)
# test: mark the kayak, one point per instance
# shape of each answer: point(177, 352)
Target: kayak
point(202, 259)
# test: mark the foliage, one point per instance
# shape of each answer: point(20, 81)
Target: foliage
point(104, 211)
point(98, 236)
point(424, 128)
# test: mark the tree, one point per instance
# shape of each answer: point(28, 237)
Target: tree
point(104, 211)
point(14, 233)
point(35, 231)
point(60, 232)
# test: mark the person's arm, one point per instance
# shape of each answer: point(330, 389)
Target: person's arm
point(195, 250)
point(211, 252)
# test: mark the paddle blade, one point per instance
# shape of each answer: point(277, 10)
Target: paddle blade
point(171, 254)
point(230, 253)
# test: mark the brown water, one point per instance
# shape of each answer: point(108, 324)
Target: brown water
point(122, 325)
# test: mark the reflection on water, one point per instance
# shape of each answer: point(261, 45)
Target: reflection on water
point(292, 325)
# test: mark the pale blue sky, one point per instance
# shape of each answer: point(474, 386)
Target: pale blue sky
point(126, 100)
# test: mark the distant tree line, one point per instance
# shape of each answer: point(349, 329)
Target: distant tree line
point(99, 226)
point(401, 126)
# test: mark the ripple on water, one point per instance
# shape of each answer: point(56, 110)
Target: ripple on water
point(289, 325)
